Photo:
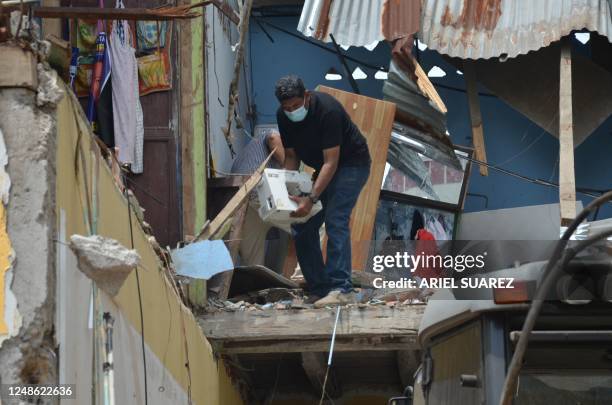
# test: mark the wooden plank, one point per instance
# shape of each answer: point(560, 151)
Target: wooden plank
point(17, 67)
point(315, 366)
point(312, 324)
point(428, 88)
point(383, 343)
point(480, 152)
point(567, 181)
point(149, 14)
point(374, 118)
point(186, 97)
point(210, 230)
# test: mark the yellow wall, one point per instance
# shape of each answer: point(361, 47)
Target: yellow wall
point(92, 196)
point(5, 252)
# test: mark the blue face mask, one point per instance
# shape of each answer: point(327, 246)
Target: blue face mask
point(298, 114)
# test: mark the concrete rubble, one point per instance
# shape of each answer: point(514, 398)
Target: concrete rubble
point(104, 260)
point(295, 299)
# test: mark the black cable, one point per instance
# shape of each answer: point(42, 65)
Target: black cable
point(145, 192)
point(352, 59)
point(142, 333)
point(548, 276)
point(586, 191)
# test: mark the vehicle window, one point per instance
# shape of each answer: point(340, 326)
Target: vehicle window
point(581, 388)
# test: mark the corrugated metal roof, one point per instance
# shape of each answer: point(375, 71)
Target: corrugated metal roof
point(359, 22)
point(427, 123)
point(473, 29)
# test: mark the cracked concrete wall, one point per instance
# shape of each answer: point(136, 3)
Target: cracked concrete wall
point(28, 124)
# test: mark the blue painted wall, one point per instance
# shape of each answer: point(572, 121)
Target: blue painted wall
point(288, 55)
point(512, 141)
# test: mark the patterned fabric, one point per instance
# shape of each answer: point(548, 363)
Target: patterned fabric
point(253, 155)
point(148, 33)
point(138, 165)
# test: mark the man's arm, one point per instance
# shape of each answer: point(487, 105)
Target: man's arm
point(276, 144)
point(292, 162)
point(331, 157)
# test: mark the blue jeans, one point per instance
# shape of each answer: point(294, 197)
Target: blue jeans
point(338, 200)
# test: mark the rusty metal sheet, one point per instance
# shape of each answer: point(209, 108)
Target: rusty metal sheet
point(360, 22)
point(474, 29)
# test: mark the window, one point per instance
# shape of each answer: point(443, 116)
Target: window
point(423, 177)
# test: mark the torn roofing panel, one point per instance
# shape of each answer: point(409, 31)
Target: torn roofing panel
point(474, 29)
point(359, 22)
point(401, 89)
point(420, 117)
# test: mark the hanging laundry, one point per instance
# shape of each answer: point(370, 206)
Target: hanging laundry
point(86, 35)
point(435, 227)
point(104, 118)
point(151, 35)
point(155, 73)
point(126, 100)
point(138, 165)
point(155, 70)
point(101, 72)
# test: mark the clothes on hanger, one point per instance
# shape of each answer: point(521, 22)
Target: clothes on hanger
point(127, 112)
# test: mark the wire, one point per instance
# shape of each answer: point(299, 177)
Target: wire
point(142, 332)
point(585, 191)
point(549, 275)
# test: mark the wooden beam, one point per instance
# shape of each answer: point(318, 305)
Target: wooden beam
point(315, 366)
point(428, 88)
point(149, 14)
point(567, 181)
point(309, 330)
point(382, 343)
point(243, 29)
point(475, 117)
point(213, 228)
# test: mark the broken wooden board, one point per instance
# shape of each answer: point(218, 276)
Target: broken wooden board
point(255, 278)
point(309, 330)
point(374, 118)
point(475, 116)
point(212, 229)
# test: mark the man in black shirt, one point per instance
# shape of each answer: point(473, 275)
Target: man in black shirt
point(316, 130)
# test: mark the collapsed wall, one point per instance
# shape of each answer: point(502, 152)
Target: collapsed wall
point(28, 96)
point(61, 187)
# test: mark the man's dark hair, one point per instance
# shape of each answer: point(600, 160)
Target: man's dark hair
point(289, 87)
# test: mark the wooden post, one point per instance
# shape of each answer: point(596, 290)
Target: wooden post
point(243, 29)
point(475, 117)
point(567, 181)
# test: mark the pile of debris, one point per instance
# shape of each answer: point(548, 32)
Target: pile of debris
point(296, 299)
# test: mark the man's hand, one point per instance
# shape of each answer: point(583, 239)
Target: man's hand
point(304, 206)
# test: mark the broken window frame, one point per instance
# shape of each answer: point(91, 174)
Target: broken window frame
point(455, 209)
